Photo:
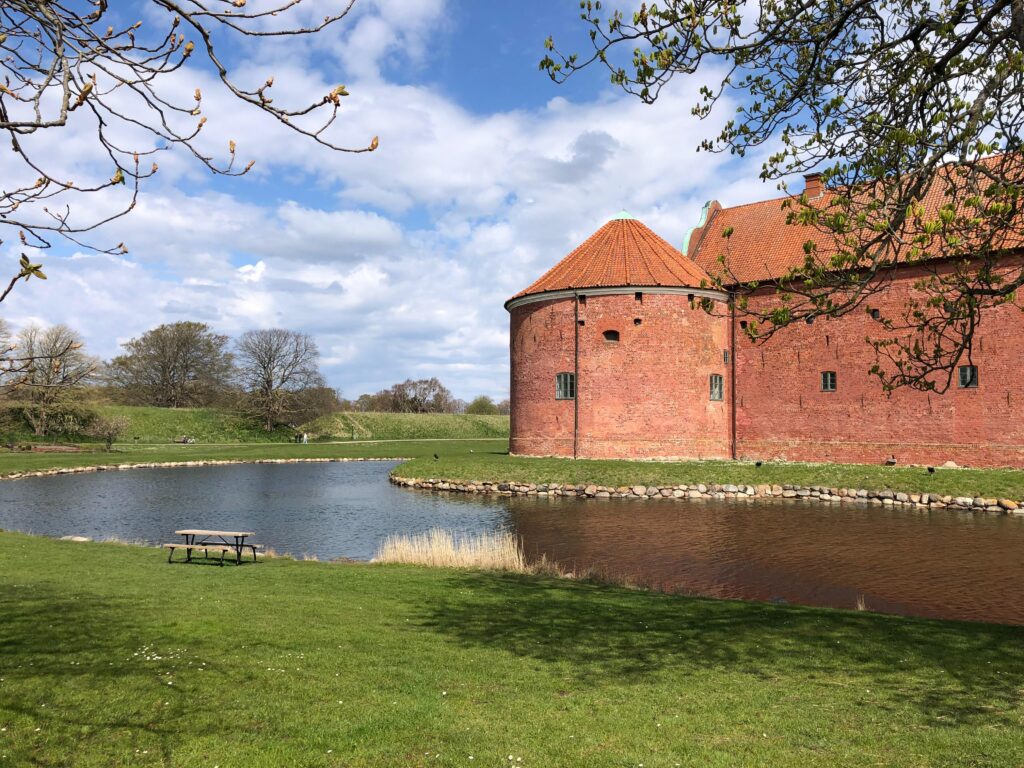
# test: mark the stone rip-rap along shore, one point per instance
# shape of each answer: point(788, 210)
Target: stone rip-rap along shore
point(721, 491)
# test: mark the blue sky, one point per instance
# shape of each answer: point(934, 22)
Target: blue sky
point(399, 261)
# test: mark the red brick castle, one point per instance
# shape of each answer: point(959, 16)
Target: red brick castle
point(612, 357)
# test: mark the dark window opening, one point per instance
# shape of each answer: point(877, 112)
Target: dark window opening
point(637, 321)
point(565, 386)
point(583, 301)
point(968, 376)
point(689, 297)
point(743, 324)
point(717, 387)
point(612, 336)
point(876, 314)
point(828, 381)
point(725, 356)
point(639, 296)
point(810, 320)
point(582, 322)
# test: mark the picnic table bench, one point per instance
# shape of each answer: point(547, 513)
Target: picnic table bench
point(213, 541)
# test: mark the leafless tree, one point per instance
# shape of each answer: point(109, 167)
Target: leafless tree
point(912, 111)
point(108, 428)
point(58, 365)
point(67, 63)
point(274, 366)
point(174, 365)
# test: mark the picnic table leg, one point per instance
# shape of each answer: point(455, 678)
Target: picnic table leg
point(170, 554)
point(222, 553)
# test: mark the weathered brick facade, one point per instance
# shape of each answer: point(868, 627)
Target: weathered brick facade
point(781, 412)
point(647, 394)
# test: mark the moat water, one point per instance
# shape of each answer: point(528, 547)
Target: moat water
point(937, 563)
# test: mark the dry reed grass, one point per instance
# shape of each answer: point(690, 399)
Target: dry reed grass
point(438, 548)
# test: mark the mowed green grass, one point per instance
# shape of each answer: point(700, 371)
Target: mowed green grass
point(164, 425)
point(408, 426)
point(498, 466)
point(214, 425)
point(111, 657)
point(21, 461)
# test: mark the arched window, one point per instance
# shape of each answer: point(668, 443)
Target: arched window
point(611, 336)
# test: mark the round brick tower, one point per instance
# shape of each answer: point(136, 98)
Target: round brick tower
point(613, 356)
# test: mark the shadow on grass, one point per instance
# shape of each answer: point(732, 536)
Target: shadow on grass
point(956, 672)
point(62, 646)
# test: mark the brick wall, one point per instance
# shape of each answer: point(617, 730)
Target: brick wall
point(781, 412)
point(645, 396)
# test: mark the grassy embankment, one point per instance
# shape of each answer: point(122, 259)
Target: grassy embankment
point(211, 425)
point(223, 435)
point(499, 467)
point(19, 461)
point(158, 425)
point(113, 658)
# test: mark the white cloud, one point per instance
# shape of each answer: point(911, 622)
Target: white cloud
point(398, 261)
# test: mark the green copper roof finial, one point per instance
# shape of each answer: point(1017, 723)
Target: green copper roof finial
point(623, 215)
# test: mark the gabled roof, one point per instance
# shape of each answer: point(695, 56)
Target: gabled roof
point(623, 253)
point(762, 246)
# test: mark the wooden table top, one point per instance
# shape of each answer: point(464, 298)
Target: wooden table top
point(199, 532)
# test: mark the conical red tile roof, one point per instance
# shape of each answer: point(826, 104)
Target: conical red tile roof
point(623, 253)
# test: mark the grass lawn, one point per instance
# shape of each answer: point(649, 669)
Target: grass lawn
point(19, 461)
point(408, 426)
point(111, 657)
point(213, 425)
point(163, 425)
point(498, 466)
point(488, 459)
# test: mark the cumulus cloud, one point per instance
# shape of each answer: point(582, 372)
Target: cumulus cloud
point(397, 261)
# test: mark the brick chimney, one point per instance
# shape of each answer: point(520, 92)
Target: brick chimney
point(812, 186)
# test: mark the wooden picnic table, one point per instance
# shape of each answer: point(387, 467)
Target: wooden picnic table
point(200, 538)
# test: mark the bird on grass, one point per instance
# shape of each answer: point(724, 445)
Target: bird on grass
point(436, 457)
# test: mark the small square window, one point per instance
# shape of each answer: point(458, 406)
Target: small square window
point(565, 386)
point(717, 387)
point(828, 381)
point(876, 314)
point(968, 376)
point(611, 336)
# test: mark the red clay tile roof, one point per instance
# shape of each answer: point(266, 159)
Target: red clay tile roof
point(763, 246)
point(624, 252)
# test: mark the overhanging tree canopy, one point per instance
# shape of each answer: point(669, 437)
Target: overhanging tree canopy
point(911, 110)
point(85, 63)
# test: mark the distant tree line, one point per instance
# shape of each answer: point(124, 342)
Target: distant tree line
point(272, 375)
point(423, 396)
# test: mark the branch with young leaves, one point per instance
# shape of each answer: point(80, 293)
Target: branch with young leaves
point(912, 112)
point(62, 63)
